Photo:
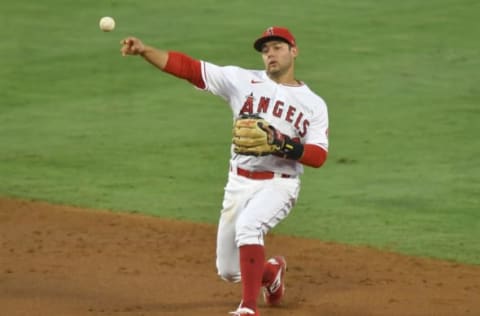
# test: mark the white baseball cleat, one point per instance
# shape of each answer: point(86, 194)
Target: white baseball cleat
point(243, 311)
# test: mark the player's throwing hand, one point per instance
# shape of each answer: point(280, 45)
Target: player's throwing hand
point(132, 46)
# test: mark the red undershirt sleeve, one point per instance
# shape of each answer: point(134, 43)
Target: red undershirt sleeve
point(185, 67)
point(313, 156)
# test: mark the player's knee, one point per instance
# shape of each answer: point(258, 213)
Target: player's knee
point(228, 270)
point(230, 276)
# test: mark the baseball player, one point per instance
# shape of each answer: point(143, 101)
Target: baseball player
point(279, 126)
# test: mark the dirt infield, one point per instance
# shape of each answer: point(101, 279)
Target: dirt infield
point(58, 260)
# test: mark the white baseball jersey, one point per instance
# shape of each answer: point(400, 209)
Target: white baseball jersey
point(295, 111)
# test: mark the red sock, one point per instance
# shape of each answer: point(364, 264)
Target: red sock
point(252, 260)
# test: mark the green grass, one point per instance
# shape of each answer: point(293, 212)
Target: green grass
point(81, 125)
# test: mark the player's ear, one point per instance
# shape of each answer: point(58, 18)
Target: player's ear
point(294, 50)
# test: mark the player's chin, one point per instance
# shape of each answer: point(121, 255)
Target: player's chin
point(272, 66)
point(273, 70)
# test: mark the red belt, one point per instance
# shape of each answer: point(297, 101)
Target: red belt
point(260, 175)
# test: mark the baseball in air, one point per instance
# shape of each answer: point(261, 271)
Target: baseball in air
point(107, 24)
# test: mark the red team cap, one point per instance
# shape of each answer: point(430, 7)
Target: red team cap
point(274, 33)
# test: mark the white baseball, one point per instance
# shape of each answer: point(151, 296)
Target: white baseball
point(107, 24)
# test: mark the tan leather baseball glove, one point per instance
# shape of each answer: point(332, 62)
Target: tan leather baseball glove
point(252, 135)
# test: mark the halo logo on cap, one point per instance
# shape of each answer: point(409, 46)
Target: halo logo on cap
point(274, 33)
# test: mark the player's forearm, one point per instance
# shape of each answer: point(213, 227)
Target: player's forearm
point(156, 57)
point(313, 156)
point(308, 154)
